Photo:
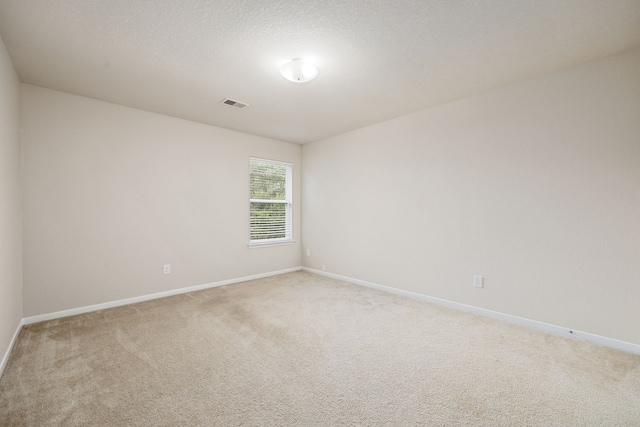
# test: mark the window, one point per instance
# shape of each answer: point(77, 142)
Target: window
point(270, 202)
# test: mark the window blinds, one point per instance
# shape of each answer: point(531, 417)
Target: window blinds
point(270, 201)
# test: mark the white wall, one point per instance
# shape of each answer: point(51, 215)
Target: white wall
point(535, 186)
point(10, 203)
point(113, 193)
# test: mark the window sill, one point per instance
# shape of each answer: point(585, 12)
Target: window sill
point(266, 244)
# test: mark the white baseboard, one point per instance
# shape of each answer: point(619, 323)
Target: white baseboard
point(558, 330)
point(96, 307)
point(5, 358)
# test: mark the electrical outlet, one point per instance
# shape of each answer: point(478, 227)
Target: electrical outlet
point(478, 281)
point(166, 269)
point(308, 252)
point(324, 267)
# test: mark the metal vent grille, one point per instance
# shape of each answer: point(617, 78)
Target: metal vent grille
point(235, 104)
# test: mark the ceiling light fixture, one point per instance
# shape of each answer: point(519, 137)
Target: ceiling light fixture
point(298, 71)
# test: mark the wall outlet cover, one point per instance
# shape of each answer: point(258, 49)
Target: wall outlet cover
point(478, 281)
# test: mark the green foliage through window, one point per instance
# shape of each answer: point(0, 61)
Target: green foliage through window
point(268, 180)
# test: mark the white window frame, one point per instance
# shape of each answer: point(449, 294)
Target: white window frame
point(288, 209)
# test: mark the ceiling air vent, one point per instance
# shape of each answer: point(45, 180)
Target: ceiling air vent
point(235, 104)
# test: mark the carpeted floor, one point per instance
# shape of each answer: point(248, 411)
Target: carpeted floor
point(304, 350)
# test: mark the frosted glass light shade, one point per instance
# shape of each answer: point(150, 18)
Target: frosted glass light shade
point(298, 71)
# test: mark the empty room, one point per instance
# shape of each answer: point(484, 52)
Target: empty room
point(300, 213)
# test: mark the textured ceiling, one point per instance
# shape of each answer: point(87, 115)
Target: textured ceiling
point(377, 59)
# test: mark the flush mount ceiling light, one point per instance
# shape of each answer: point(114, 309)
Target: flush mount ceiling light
point(298, 71)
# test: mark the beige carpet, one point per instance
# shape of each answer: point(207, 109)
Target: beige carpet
point(304, 350)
